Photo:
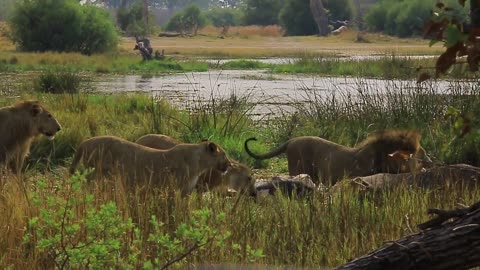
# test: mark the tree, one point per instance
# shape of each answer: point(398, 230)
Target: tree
point(320, 16)
point(296, 18)
point(61, 25)
point(308, 17)
point(262, 12)
point(132, 19)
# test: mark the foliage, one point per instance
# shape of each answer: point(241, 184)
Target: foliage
point(340, 10)
point(262, 12)
point(197, 234)
point(188, 20)
point(400, 18)
point(296, 18)
point(447, 25)
point(61, 25)
point(223, 16)
point(7, 7)
point(132, 22)
point(57, 82)
point(71, 231)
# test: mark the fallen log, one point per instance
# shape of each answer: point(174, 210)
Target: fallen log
point(169, 34)
point(435, 177)
point(441, 245)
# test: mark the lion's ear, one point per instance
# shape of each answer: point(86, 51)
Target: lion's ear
point(35, 110)
point(212, 147)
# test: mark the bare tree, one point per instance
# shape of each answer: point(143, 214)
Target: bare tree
point(320, 15)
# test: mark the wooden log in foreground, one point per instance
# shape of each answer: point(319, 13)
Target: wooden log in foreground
point(441, 245)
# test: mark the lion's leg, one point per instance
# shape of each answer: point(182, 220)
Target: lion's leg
point(190, 186)
point(16, 163)
point(294, 167)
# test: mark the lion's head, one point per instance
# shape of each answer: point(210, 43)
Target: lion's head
point(41, 120)
point(240, 179)
point(215, 157)
point(392, 150)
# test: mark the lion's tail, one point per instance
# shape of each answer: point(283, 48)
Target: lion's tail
point(277, 151)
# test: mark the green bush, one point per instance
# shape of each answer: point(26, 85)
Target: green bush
point(401, 18)
point(223, 16)
point(61, 25)
point(188, 20)
point(74, 230)
point(57, 82)
point(262, 12)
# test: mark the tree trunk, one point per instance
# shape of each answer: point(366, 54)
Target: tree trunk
point(145, 12)
point(451, 245)
point(475, 13)
point(320, 16)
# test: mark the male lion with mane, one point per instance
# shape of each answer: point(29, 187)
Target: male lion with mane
point(238, 176)
point(20, 124)
point(180, 165)
point(388, 151)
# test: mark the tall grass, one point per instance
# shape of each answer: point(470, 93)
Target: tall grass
point(325, 231)
point(321, 232)
point(387, 67)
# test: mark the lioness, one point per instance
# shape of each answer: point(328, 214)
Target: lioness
point(20, 124)
point(238, 177)
point(140, 164)
point(331, 162)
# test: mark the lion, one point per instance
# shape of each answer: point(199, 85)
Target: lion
point(381, 152)
point(139, 164)
point(238, 177)
point(20, 124)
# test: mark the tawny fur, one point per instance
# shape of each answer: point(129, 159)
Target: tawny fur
point(330, 162)
point(238, 176)
point(140, 165)
point(20, 124)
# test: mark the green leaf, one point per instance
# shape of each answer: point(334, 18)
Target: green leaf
point(453, 35)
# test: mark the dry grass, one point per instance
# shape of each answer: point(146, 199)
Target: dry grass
point(245, 31)
point(256, 41)
point(268, 46)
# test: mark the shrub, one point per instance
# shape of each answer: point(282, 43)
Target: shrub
point(61, 25)
point(57, 82)
point(262, 12)
point(401, 18)
point(188, 20)
point(223, 16)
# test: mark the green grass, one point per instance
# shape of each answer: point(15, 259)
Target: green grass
point(105, 63)
point(388, 67)
point(244, 64)
point(324, 232)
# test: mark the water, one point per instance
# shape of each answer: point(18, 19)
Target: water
point(271, 93)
